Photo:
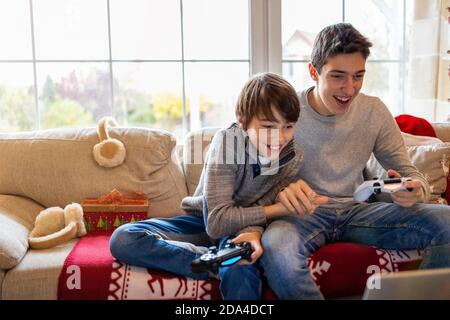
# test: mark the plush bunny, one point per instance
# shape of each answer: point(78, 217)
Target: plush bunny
point(55, 225)
point(109, 152)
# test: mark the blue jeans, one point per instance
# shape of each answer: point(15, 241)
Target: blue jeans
point(171, 244)
point(290, 240)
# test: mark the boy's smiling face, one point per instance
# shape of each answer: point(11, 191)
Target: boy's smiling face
point(338, 83)
point(270, 136)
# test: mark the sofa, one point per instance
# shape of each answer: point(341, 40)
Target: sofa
point(55, 167)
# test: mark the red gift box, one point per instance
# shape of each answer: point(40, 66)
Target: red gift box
point(107, 213)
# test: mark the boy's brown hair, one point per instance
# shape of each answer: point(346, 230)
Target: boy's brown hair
point(336, 39)
point(262, 92)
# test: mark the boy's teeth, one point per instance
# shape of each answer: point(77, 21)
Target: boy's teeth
point(343, 99)
point(274, 147)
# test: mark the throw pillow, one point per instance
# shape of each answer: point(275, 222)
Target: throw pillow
point(413, 140)
point(415, 125)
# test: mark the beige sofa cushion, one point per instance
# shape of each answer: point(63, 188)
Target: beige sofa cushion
point(433, 162)
point(56, 167)
point(442, 130)
point(36, 276)
point(195, 148)
point(17, 215)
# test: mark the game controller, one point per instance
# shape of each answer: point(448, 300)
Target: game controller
point(365, 190)
point(230, 254)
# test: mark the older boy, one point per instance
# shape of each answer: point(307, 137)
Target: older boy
point(338, 131)
point(246, 167)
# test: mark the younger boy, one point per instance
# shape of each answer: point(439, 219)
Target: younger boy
point(246, 166)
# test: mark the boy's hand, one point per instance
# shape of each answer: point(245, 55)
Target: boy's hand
point(254, 238)
point(299, 198)
point(406, 198)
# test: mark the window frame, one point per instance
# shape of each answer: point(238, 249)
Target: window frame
point(110, 61)
point(265, 50)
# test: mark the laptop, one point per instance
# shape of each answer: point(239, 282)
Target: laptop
point(431, 284)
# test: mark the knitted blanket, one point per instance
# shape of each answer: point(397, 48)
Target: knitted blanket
point(90, 272)
point(339, 269)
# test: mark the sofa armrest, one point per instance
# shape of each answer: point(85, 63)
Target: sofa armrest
point(17, 215)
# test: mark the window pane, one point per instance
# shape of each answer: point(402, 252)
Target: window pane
point(381, 22)
point(149, 94)
point(216, 29)
point(73, 94)
point(383, 80)
point(302, 20)
point(15, 30)
point(17, 105)
point(212, 89)
point(142, 29)
point(297, 74)
point(71, 29)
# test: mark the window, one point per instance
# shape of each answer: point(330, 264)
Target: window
point(17, 97)
point(177, 64)
point(172, 64)
point(384, 22)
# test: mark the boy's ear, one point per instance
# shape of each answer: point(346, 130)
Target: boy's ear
point(241, 123)
point(313, 72)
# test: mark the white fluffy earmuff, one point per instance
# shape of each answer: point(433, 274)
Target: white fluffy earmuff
point(109, 152)
point(54, 226)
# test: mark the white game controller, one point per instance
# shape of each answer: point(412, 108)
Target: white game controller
point(365, 190)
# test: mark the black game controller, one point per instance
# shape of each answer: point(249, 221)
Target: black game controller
point(227, 256)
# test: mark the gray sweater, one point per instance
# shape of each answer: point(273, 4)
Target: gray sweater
point(337, 148)
point(234, 186)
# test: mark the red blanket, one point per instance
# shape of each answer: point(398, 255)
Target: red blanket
point(339, 269)
point(90, 272)
point(87, 269)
